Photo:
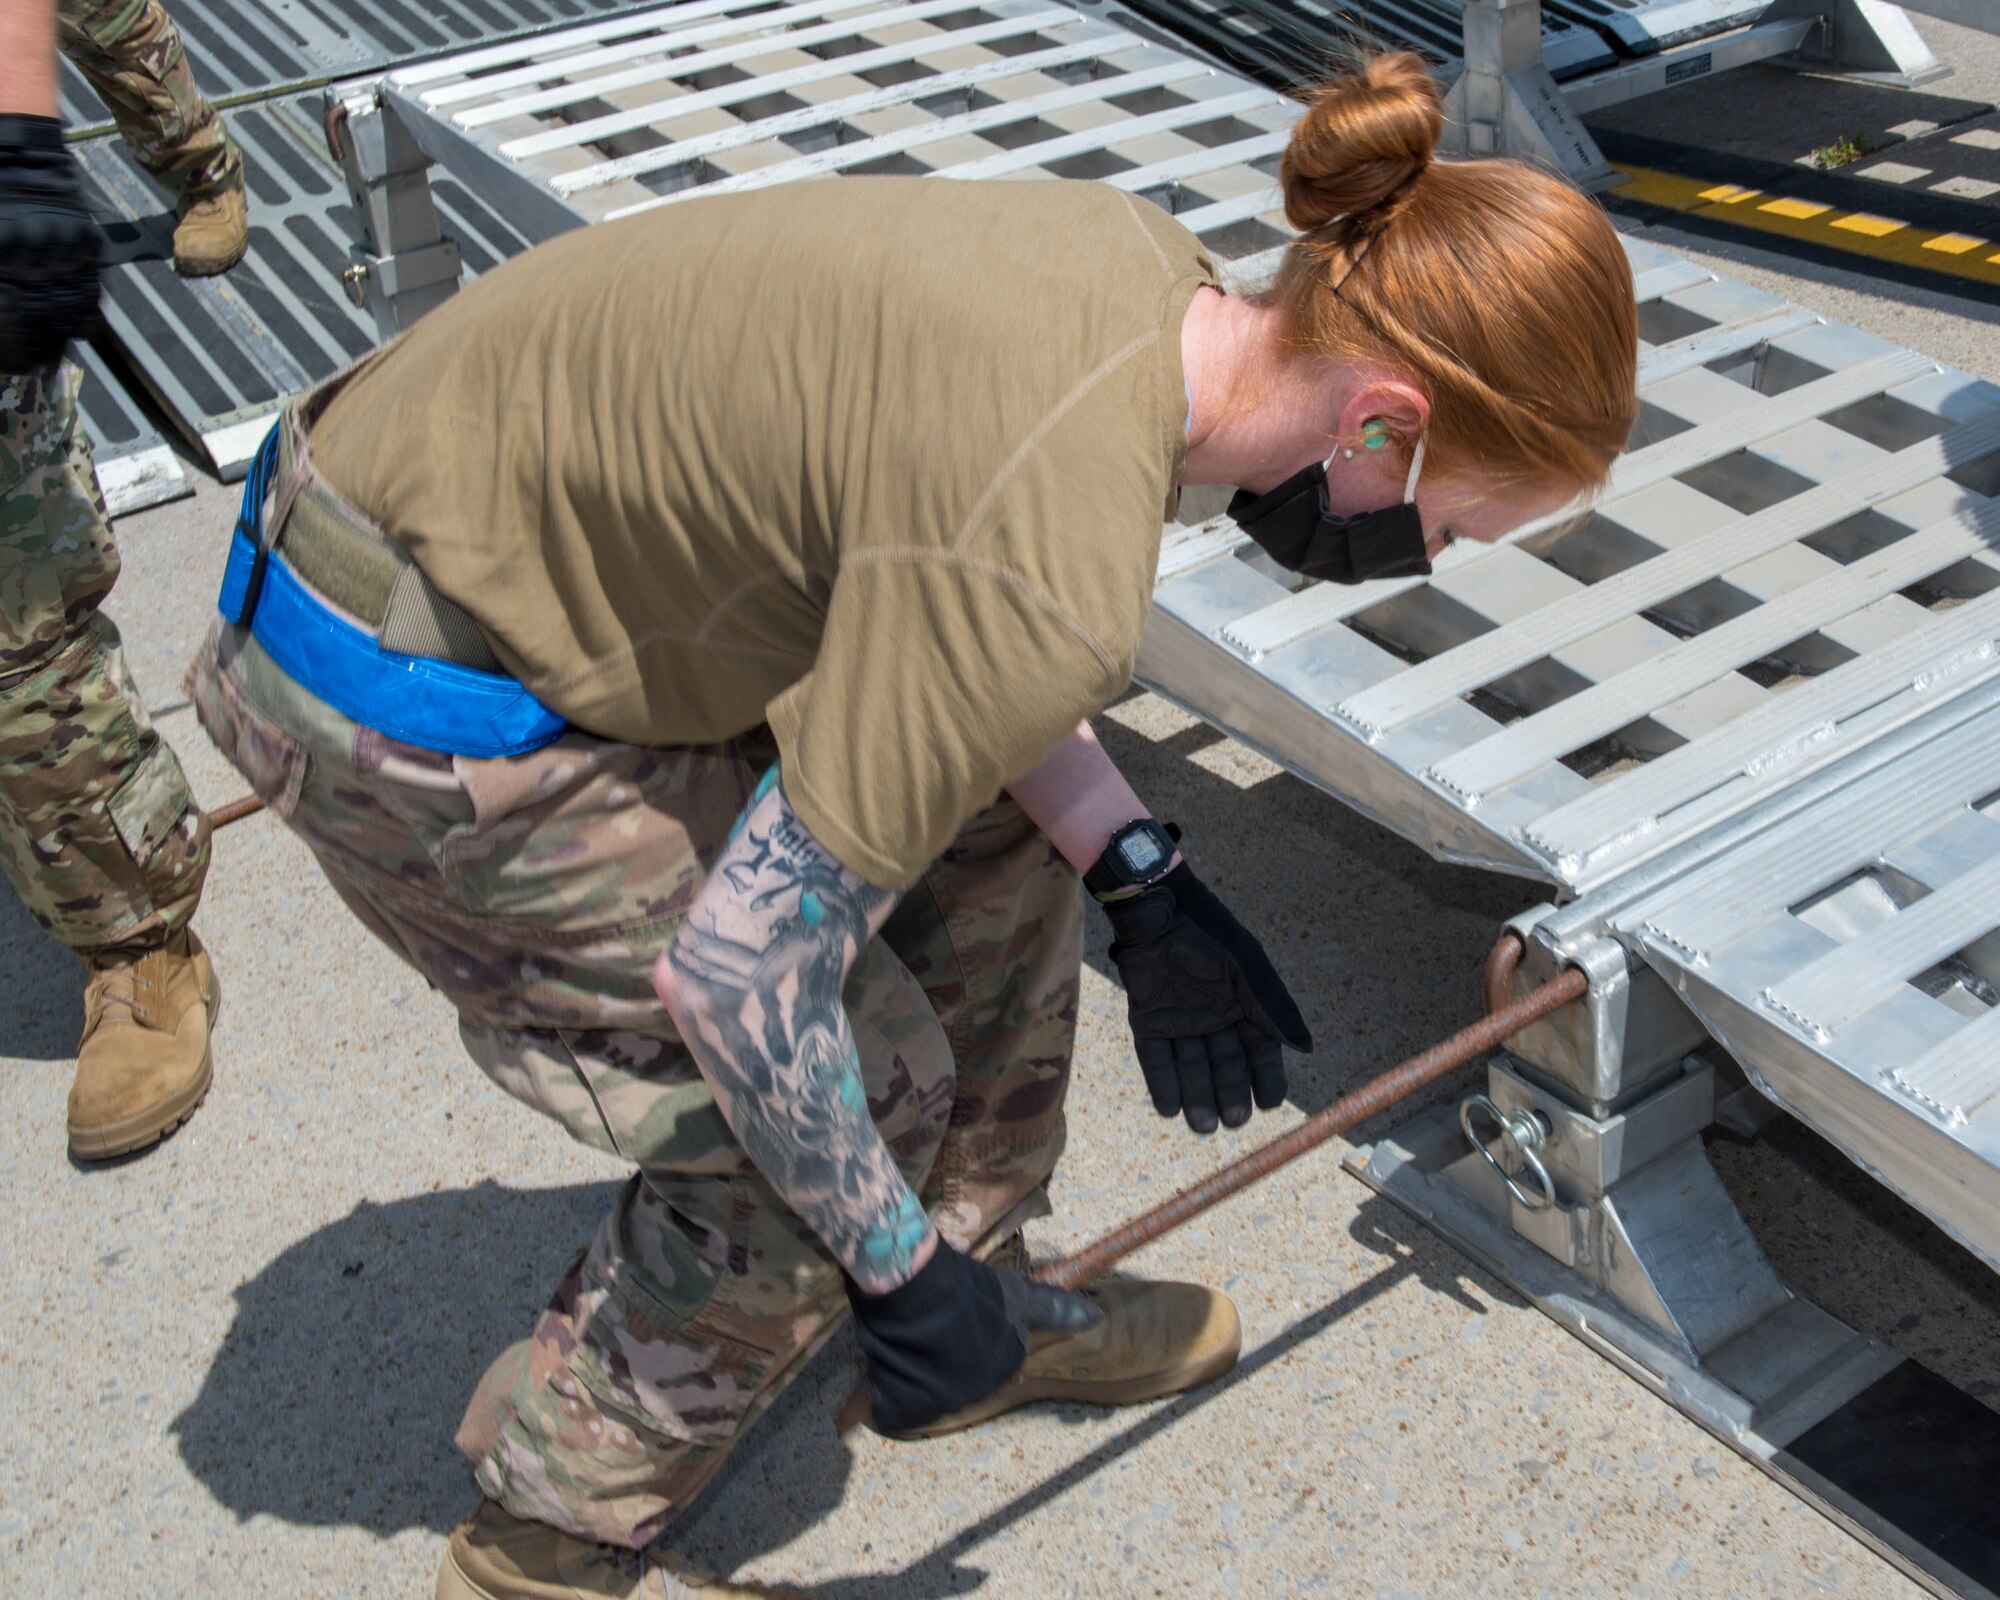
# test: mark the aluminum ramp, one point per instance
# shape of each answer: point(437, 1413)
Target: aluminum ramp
point(1799, 534)
point(711, 97)
point(1844, 942)
point(1291, 41)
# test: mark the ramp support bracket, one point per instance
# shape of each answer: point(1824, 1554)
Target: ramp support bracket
point(405, 265)
point(1642, 1254)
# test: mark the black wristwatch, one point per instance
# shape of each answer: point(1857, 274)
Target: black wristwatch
point(1137, 855)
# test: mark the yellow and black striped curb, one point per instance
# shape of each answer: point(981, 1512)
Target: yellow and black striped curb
point(1875, 236)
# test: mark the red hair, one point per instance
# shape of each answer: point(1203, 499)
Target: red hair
point(1501, 289)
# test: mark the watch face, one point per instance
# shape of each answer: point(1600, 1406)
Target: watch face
point(1141, 853)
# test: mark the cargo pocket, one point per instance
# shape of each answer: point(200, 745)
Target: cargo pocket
point(666, 1338)
point(159, 825)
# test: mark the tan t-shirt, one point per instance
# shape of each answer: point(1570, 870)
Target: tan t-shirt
point(881, 461)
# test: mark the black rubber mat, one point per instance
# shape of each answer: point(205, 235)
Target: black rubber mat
point(1917, 1463)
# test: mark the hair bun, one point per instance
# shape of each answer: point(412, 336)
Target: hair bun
point(1364, 136)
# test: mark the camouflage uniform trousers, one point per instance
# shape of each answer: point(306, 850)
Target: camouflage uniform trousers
point(98, 833)
point(131, 53)
point(536, 892)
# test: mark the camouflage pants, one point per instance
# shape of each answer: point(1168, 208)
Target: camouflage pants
point(98, 833)
point(536, 892)
point(131, 53)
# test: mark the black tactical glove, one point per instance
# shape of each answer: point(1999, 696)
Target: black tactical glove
point(49, 244)
point(1210, 1014)
point(953, 1334)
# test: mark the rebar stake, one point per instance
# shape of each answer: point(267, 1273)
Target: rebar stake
point(248, 806)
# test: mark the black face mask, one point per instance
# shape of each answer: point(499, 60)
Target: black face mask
point(1295, 529)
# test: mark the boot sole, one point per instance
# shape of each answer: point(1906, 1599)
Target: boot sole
point(134, 1133)
point(210, 269)
point(1127, 1392)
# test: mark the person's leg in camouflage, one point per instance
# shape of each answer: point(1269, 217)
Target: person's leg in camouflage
point(98, 833)
point(994, 933)
point(535, 893)
point(132, 55)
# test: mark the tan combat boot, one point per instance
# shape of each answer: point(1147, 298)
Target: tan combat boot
point(213, 232)
point(494, 1555)
point(1156, 1339)
point(143, 1065)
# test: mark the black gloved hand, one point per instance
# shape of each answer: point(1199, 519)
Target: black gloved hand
point(49, 244)
point(953, 1334)
point(1210, 1015)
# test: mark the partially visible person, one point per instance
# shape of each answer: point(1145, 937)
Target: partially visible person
point(99, 835)
point(131, 53)
point(678, 648)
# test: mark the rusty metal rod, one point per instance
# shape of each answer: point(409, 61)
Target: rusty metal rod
point(1371, 1100)
point(1500, 964)
point(248, 806)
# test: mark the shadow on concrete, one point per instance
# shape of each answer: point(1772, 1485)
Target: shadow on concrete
point(737, 1520)
point(41, 1012)
point(1853, 1246)
point(336, 1391)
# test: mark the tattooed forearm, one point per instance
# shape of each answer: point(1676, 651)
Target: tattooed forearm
point(753, 981)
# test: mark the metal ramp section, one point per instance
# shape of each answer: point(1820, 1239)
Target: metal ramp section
point(1293, 42)
point(1800, 534)
point(245, 48)
point(715, 96)
point(221, 355)
point(136, 468)
point(1641, 27)
point(1288, 42)
point(1844, 943)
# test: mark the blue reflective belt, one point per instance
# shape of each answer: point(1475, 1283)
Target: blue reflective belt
point(438, 705)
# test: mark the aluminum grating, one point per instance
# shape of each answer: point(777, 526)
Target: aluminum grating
point(1641, 27)
point(136, 468)
point(252, 47)
point(719, 95)
point(1797, 554)
point(1292, 42)
point(222, 354)
point(1846, 947)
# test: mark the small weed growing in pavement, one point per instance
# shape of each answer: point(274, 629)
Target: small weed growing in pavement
point(1843, 151)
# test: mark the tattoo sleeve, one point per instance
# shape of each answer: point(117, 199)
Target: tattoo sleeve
point(754, 979)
